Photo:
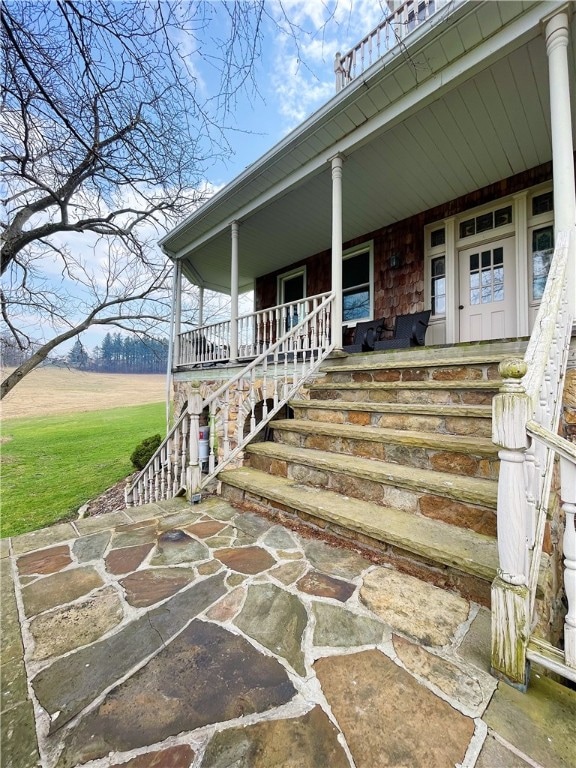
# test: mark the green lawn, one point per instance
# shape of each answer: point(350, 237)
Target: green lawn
point(54, 464)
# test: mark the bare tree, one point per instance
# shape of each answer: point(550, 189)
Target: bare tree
point(105, 133)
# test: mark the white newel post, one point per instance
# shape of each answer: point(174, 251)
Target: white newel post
point(557, 38)
point(193, 472)
point(337, 250)
point(234, 293)
point(510, 594)
point(568, 495)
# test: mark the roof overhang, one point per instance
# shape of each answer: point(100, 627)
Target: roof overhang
point(463, 103)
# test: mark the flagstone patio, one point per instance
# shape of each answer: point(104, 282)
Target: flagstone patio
point(179, 636)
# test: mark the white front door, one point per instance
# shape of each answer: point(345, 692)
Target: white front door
point(488, 291)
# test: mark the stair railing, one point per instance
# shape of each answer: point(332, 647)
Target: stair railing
point(526, 415)
point(265, 384)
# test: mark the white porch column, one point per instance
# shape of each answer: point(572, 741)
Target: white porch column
point(177, 299)
point(234, 293)
point(556, 33)
point(337, 250)
point(201, 306)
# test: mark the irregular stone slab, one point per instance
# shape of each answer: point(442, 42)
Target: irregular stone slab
point(175, 546)
point(283, 555)
point(13, 684)
point(219, 509)
point(540, 723)
point(147, 587)
point(101, 522)
point(91, 547)
point(277, 620)
point(337, 562)
point(288, 573)
point(205, 675)
point(228, 607)
point(18, 744)
point(127, 559)
point(280, 538)
point(252, 524)
point(218, 542)
point(72, 682)
point(10, 637)
point(4, 548)
point(494, 754)
point(310, 741)
point(212, 566)
point(55, 534)
point(45, 561)
point(338, 627)
point(173, 757)
point(321, 585)
point(467, 686)
point(245, 559)
point(476, 645)
point(234, 579)
point(64, 629)
point(131, 536)
point(180, 519)
point(59, 589)
point(418, 609)
point(387, 718)
point(207, 528)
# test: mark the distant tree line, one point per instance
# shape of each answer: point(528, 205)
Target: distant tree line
point(121, 354)
point(116, 354)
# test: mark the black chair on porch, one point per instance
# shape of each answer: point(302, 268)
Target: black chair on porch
point(366, 334)
point(408, 331)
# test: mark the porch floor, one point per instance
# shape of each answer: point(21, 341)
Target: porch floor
point(179, 636)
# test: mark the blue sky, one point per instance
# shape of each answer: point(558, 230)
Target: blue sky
point(293, 78)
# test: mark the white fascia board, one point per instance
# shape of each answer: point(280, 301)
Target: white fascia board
point(509, 37)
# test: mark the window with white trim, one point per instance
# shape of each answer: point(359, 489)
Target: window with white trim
point(357, 290)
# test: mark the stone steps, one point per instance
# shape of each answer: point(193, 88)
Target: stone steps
point(470, 456)
point(456, 499)
point(447, 419)
point(451, 556)
point(392, 449)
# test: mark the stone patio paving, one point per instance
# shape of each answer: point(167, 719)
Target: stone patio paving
point(179, 636)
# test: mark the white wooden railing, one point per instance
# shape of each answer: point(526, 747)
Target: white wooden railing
point(388, 34)
point(526, 415)
point(257, 331)
point(240, 408)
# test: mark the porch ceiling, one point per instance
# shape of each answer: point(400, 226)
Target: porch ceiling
point(492, 121)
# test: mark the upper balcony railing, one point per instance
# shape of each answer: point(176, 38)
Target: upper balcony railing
point(388, 34)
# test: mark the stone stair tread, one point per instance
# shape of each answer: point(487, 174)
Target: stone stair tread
point(470, 489)
point(436, 541)
point(417, 439)
point(477, 384)
point(476, 411)
point(431, 356)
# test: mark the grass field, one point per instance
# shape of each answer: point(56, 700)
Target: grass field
point(73, 442)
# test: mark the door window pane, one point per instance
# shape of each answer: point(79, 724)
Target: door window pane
point(486, 280)
point(542, 251)
point(438, 286)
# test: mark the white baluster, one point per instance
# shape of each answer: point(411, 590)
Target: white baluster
point(568, 494)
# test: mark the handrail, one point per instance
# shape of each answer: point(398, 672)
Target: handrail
point(175, 467)
point(385, 36)
point(283, 346)
point(526, 415)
